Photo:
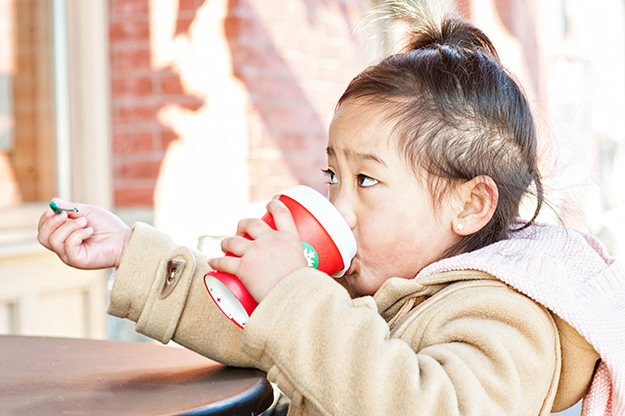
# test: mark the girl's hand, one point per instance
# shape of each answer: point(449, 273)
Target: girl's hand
point(92, 238)
point(269, 256)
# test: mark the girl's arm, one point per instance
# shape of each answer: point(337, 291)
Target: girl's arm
point(475, 348)
point(88, 237)
point(183, 310)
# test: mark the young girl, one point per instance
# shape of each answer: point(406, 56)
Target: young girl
point(452, 304)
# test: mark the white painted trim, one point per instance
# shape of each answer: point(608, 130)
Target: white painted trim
point(62, 116)
point(90, 101)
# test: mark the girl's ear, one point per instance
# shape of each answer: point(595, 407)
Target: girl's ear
point(477, 200)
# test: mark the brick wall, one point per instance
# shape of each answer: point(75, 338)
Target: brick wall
point(294, 58)
point(138, 91)
point(257, 101)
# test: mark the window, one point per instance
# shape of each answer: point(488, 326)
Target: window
point(27, 144)
point(54, 140)
point(53, 59)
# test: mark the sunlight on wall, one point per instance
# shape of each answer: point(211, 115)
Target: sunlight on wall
point(568, 55)
point(203, 183)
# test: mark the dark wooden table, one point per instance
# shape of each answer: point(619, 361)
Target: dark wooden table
point(64, 376)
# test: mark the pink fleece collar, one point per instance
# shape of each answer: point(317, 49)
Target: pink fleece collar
point(571, 274)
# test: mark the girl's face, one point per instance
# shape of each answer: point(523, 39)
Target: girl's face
point(387, 206)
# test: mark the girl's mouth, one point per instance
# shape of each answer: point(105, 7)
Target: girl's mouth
point(352, 267)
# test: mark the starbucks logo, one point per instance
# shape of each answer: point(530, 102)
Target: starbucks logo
point(311, 255)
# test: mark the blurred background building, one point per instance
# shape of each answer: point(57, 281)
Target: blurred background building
point(190, 114)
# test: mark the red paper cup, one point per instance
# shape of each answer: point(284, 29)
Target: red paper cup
point(327, 241)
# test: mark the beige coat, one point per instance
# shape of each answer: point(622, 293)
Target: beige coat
point(450, 344)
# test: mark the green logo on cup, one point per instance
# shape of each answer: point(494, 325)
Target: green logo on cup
point(311, 255)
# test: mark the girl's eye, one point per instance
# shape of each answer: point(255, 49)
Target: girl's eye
point(332, 179)
point(365, 181)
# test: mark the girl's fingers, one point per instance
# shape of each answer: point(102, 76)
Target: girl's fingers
point(228, 264)
point(73, 244)
point(281, 216)
point(48, 225)
point(45, 217)
point(252, 227)
point(50, 220)
point(235, 245)
point(58, 238)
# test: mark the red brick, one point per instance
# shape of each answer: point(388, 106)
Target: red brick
point(137, 168)
point(130, 59)
point(290, 84)
point(126, 7)
point(173, 91)
point(234, 26)
point(166, 138)
point(132, 86)
point(132, 30)
point(135, 114)
point(249, 57)
point(183, 24)
point(134, 196)
point(189, 4)
point(188, 102)
point(236, 4)
point(171, 85)
point(129, 143)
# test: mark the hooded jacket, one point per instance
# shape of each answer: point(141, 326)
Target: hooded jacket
point(455, 340)
point(572, 275)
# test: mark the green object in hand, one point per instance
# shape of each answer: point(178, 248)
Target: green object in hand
point(57, 209)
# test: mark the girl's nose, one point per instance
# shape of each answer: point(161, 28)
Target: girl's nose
point(343, 204)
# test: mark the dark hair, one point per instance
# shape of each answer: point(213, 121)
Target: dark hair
point(457, 114)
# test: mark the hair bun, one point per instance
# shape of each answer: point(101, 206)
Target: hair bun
point(429, 31)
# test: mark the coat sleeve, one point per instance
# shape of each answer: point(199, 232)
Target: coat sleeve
point(186, 314)
point(466, 351)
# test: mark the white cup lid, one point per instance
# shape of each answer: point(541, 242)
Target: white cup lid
point(331, 220)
